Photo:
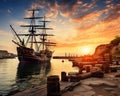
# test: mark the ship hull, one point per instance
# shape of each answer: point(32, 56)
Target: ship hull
point(29, 59)
point(27, 55)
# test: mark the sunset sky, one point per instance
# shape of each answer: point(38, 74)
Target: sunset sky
point(79, 25)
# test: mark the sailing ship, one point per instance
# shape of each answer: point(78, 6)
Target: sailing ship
point(34, 46)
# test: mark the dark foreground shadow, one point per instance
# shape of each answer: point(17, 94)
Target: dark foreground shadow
point(27, 70)
point(30, 75)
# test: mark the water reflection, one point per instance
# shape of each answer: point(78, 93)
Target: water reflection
point(29, 75)
point(15, 75)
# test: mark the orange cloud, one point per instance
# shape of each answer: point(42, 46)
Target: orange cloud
point(88, 20)
point(101, 32)
point(83, 24)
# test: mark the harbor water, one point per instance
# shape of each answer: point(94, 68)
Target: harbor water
point(21, 76)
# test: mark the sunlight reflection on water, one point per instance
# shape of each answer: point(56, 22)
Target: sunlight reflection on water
point(58, 66)
point(20, 76)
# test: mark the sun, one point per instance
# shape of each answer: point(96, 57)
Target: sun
point(85, 50)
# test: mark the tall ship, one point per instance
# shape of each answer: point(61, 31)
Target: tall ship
point(34, 45)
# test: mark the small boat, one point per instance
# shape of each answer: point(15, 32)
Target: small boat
point(34, 46)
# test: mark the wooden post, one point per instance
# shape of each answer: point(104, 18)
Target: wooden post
point(64, 78)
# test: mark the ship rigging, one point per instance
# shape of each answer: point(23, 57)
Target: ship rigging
point(35, 46)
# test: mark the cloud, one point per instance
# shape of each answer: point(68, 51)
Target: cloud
point(9, 11)
point(108, 1)
point(19, 22)
point(66, 8)
point(74, 9)
point(3, 33)
point(69, 44)
point(46, 7)
point(113, 12)
point(100, 33)
point(88, 20)
point(28, 13)
point(77, 9)
point(17, 26)
point(98, 27)
point(91, 23)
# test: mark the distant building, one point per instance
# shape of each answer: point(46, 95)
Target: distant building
point(3, 53)
point(6, 54)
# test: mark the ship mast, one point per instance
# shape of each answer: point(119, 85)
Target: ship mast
point(31, 36)
point(32, 29)
point(44, 35)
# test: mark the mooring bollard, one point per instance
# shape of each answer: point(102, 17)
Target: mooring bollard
point(87, 68)
point(64, 78)
point(53, 86)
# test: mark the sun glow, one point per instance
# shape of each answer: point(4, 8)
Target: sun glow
point(86, 50)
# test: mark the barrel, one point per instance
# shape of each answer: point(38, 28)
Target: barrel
point(53, 86)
